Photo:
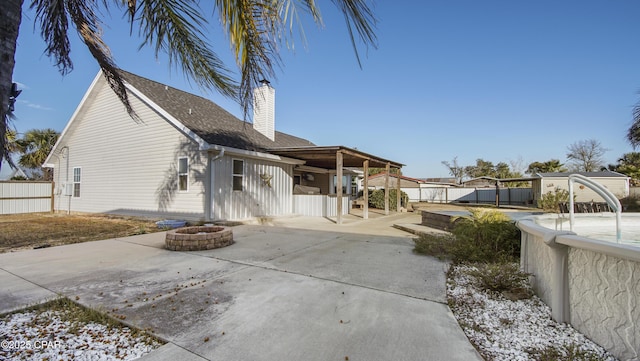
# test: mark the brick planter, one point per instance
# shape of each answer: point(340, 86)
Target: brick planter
point(438, 221)
point(198, 238)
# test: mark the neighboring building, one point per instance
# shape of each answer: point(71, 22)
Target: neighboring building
point(440, 180)
point(417, 190)
point(617, 183)
point(186, 157)
point(377, 181)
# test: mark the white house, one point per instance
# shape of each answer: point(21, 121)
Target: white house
point(186, 157)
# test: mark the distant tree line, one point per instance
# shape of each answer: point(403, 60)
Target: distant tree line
point(582, 156)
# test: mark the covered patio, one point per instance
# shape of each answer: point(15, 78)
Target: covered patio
point(320, 159)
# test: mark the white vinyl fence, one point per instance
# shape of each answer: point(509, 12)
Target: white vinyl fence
point(25, 197)
point(515, 196)
point(319, 205)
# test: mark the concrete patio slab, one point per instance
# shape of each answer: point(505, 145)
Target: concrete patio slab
point(277, 293)
point(18, 292)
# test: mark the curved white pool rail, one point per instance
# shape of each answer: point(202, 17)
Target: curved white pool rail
point(609, 197)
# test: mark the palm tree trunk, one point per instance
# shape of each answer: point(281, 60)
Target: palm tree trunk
point(9, 27)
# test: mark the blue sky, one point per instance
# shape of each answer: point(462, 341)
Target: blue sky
point(505, 81)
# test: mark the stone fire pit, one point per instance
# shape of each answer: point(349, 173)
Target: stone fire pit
point(198, 238)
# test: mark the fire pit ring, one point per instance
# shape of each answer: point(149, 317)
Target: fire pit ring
point(198, 238)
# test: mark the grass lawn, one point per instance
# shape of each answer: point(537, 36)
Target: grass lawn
point(27, 231)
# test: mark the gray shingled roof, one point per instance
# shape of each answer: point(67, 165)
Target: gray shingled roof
point(208, 120)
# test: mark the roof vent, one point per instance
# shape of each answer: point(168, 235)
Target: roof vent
point(166, 87)
point(189, 111)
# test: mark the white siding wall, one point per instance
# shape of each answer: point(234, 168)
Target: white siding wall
point(127, 166)
point(618, 186)
point(256, 199)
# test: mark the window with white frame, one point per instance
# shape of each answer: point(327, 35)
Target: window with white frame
point(238, 174)
point(77, 178)
point(183, 174)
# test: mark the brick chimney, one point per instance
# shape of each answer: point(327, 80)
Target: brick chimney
point(264, 109)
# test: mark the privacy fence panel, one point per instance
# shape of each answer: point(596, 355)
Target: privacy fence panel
point(25, 197)
point(515, 196)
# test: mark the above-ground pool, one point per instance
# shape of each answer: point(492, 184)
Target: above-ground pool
point(599, 226)
point(587, 278)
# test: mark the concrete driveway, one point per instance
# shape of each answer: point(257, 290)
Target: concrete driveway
point(304, 289)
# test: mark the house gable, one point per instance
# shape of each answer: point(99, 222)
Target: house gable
point(128, 167)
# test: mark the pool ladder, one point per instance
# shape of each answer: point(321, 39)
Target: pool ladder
point(609, 197)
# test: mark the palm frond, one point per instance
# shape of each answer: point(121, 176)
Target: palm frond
point(54, 23)
point(175, 27)
point(252, 27)
point(7, 140)
point(89, 28)
point(633, 135)
point(359, 16)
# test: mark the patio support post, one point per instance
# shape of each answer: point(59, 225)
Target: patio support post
point(53, 197)
point(365, 190)
point(398, 191)
point(339, 186)
point(386, 190)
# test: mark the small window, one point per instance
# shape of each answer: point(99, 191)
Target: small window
point(77, 177)
point(183, 174)
point(238, 174)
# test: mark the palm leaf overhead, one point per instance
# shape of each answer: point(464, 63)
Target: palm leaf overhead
point(256, 29)
point(175, 27)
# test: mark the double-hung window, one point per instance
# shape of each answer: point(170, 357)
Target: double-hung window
point(183, 174)
point(238, 174)
point(77, 178)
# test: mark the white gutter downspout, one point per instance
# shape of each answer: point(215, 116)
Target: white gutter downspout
point(212, 175)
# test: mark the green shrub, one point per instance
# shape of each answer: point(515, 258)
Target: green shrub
point(550, 200)
point(485, 236)
point(376, 199)
point(434, 244)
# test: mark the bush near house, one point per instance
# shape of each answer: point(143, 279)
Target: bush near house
point(549, 202)
point(376, 199)
point(630, 203)
point(486, 236)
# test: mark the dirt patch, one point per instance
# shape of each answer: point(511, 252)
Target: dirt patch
point(28, 231)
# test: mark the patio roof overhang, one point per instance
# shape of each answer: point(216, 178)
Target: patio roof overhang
point(325, 157)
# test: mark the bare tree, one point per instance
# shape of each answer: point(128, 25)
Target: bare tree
point(586, 155)
point(517, 166)
point(455, 169)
